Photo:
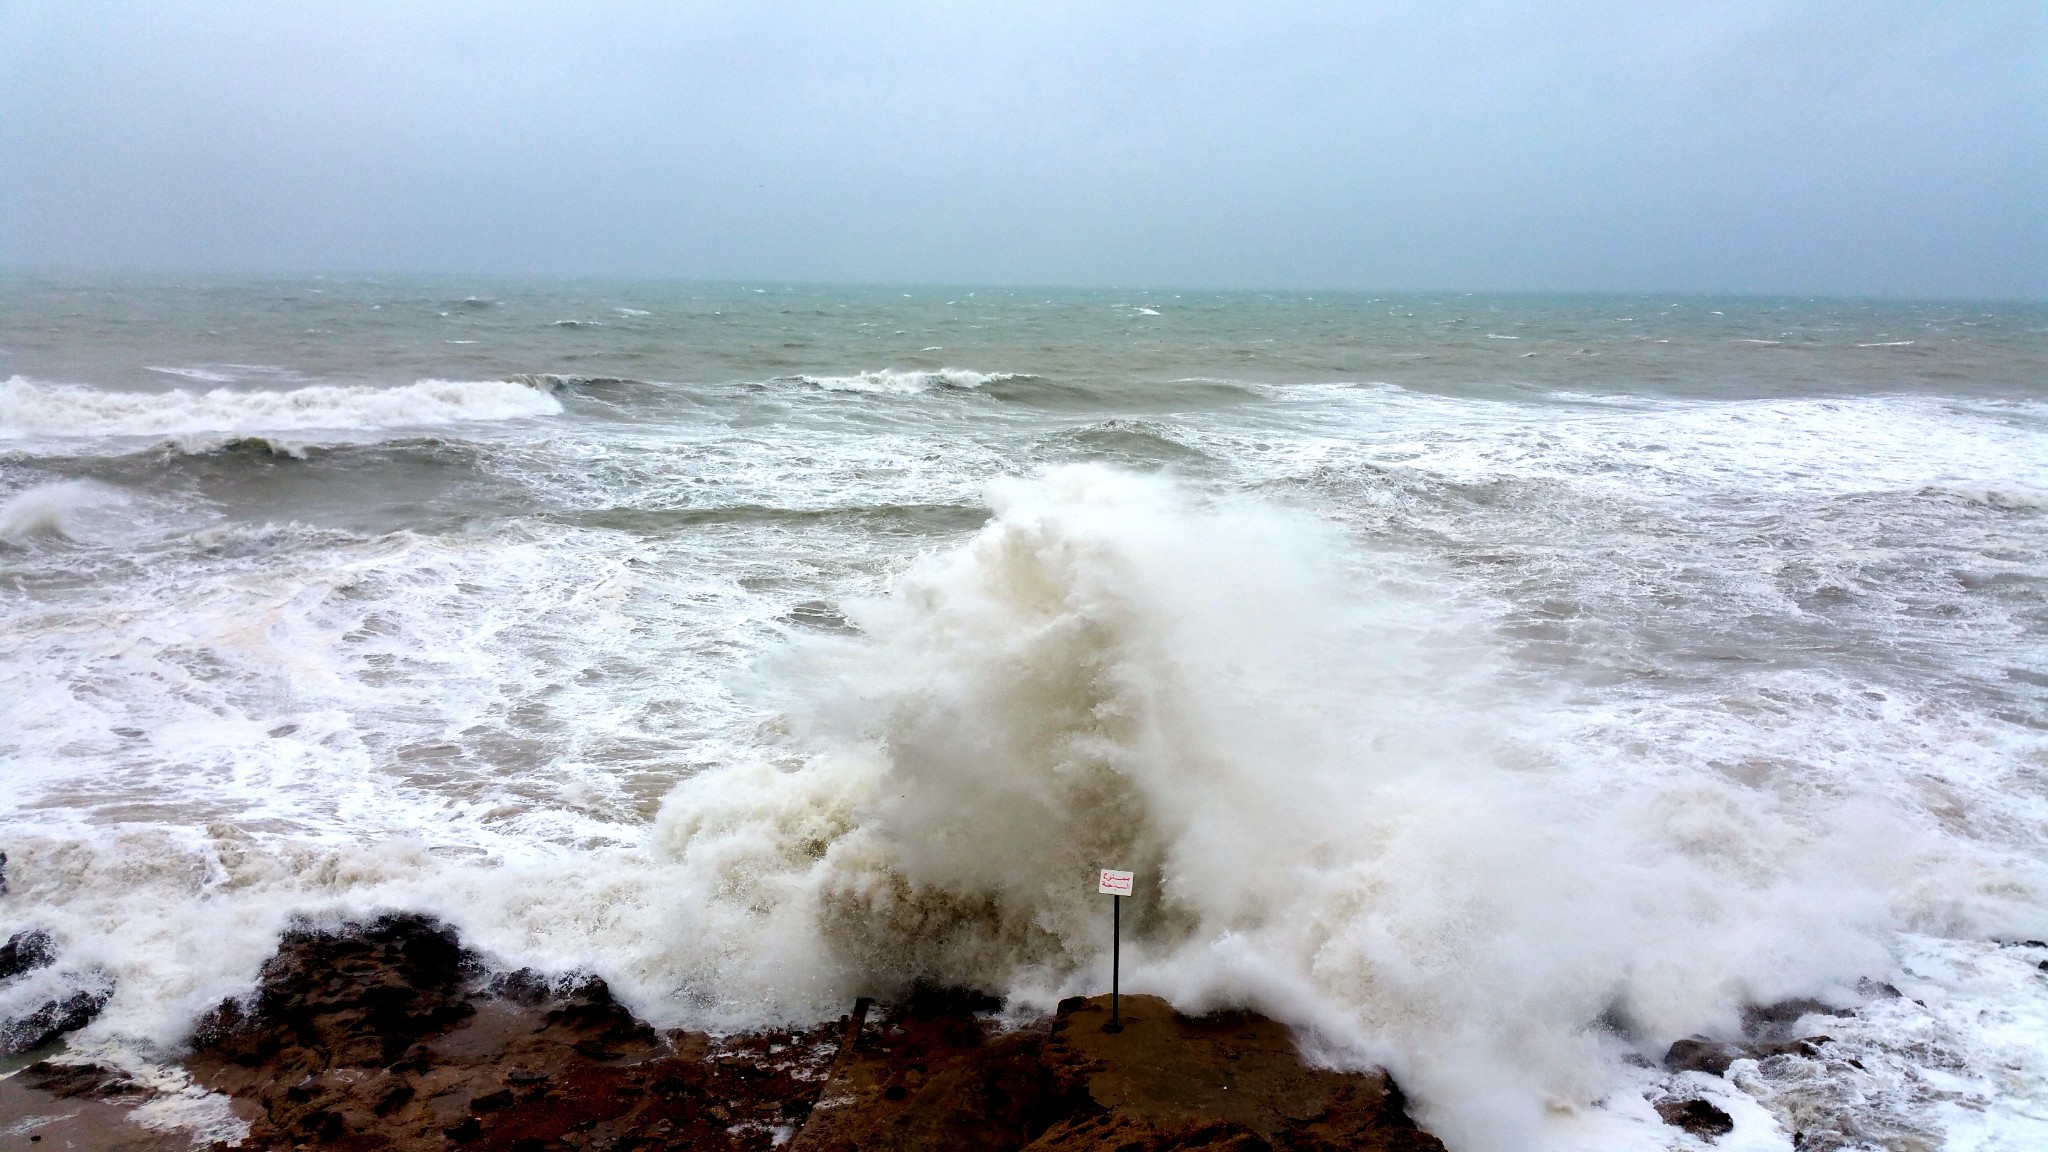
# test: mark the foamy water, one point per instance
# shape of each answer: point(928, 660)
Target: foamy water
point(30, 409)
point(1497, 717)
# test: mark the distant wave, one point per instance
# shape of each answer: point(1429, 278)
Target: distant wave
point(227, 443)
point(231, 373)
point(562, 381)
point(891, 381)
point(1126, 442)
point(31, 409)
point(2005, 498)
point(203, 375)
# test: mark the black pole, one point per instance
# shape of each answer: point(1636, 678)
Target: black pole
point(1116, 946)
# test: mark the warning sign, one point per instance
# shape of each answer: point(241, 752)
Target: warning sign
point(1114, 883)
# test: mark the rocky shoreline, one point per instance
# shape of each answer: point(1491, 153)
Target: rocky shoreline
point(393, 1036)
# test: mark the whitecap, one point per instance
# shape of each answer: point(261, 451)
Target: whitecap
point(204, 375)
point(30, 409)
point(906, 383)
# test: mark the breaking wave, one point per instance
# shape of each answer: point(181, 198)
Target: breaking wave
point(30, 409)
point(47, 511)
point(1339, 816)
point(907, 383)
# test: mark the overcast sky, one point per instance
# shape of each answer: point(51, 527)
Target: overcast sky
point(1846, 147)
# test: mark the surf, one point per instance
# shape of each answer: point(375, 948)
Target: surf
point(32, 409)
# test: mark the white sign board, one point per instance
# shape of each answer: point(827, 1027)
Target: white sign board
point(1114, 883)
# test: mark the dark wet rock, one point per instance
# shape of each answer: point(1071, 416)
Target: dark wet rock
point(1699, 1054)
point(1766, 1019)
point(1698, 1117)
point(26, 952)
point(52, 1019)
point(921, 1079)
point(1767, 1031)
point(1616, 1021)
point(83, 1081)
point(78, 1106)
point(355, 998)
point(391, 1036)
point(66, 1011)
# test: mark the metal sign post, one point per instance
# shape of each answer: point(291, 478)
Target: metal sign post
point(1115, 884)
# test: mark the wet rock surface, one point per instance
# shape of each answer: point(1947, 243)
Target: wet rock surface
point(69, 1003)
point(927, 1078)
point(1773, 1038)
point(1768, 1030)
point(1698, 1117)
point(393, 1036)
point(53, 1018)
point(26, 952)
point(47, 1107)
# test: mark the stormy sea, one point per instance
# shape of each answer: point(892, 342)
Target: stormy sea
point(1493, 689)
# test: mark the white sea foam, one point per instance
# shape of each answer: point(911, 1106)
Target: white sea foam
point(1345, 811)
point(905, 383)
point(1680, 450)
point(1339, 817)
point(31, 409)
point(1342, 819)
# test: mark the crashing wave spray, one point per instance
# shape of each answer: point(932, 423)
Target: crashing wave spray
point(1342, 812)
point(1344, 819)
point(47, 511)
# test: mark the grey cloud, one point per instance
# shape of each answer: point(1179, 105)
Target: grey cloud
point(1834, 147)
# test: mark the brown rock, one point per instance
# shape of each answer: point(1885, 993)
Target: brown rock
point(1699, 1054)
point(1766, 1033)
point(1233, 1081)
point(1698, 1117)
point(390, 1036)
point(1770, 1021)
point(1226, 1080)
